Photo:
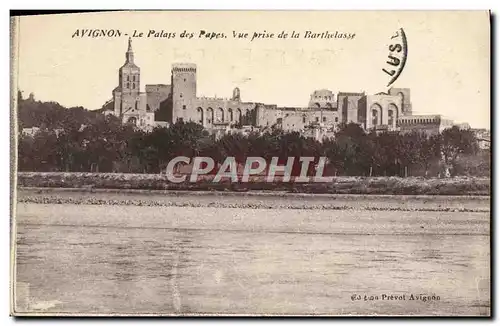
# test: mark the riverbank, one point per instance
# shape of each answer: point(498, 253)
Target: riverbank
point(250, 199)
point(463, 186)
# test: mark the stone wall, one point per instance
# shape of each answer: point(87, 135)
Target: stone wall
point(382, 109)
point(156, 94)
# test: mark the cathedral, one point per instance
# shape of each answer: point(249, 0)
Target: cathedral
point(323, 114)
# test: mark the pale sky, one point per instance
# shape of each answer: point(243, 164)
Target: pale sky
point(447, 69)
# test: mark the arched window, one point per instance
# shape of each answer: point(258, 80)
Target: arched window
point(238, 116)
point(374, 117)
point(402, 97)
point(210, 115)
point(376, 110)
point(219, 115)
point(390, 115)
point(132, 120)
point(200, 115)
point(393, 115)
point(230, 113)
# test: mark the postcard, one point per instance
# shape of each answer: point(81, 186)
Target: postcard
point(251, 163)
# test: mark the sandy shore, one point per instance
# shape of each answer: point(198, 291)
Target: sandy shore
point(257, 200)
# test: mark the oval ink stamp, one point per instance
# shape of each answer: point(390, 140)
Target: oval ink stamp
point(396, 60)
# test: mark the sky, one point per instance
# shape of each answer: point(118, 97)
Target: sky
point(447, 68)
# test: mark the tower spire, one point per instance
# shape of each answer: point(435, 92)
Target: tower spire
point(130, 54)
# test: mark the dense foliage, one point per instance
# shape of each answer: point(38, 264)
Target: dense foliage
point(106, 145)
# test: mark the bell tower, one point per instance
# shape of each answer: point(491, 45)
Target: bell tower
point(126, 95)
point(130, 73)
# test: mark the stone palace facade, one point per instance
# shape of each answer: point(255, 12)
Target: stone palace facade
point(324, 112)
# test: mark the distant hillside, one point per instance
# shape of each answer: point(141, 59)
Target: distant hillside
point(52, 115)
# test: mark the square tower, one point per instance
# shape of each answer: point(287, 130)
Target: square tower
point(404, 95)
point(183, 90)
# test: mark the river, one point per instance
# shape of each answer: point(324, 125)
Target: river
point(128, 259)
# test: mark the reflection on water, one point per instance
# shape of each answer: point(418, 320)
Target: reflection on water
point(92, 269)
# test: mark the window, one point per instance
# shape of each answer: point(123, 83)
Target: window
point(324, 119)
point(180, 95)
point(303, 119)
point(184, 79)
point(128, 78)
point(133, 85)
point(391, 118)
point(183, 107)
point(133, 78)
point(128, 85)
point(317, 119)
point(336, 119)
point(374, 117)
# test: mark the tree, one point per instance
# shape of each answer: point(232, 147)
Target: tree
point(351, 140)
point(429, 152)
point(455, 142)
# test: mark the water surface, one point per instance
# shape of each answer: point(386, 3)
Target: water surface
point(170, 260)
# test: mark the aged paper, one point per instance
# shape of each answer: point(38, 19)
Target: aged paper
point(280, 163)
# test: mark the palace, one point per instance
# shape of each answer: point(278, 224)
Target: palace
point(178, 101)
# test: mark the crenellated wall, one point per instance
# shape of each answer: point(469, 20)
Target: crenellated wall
point(430, 124)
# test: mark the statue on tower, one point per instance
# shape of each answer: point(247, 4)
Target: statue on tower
point(236, 94)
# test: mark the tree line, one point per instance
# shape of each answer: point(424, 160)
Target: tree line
point(78, 140)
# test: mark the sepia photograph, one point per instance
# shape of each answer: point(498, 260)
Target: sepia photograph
point(251, 163)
